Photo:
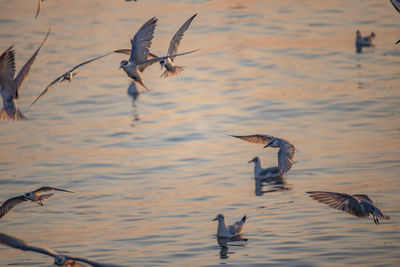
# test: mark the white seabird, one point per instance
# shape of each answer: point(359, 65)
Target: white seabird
point(229, 231)
point(260, 173)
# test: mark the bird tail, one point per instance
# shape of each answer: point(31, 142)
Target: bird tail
point(16, 115)
point(176, 70)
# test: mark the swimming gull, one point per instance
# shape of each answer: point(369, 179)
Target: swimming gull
point(229, 231)
point(260, 173)
point(359, 205)
point(364, 41)
point(9, 86)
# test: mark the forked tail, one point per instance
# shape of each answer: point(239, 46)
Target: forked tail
point(15, 115)
point(176, 70)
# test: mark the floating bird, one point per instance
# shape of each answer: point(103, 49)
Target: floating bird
point(260, 173)
point(171, 68)
point(34, 196)
point(285, 153)
point(67, 76)
point(229, 231)
point(59, 259)
point(358, 205)
point(9, 86)
point(138, 59)
point(38, 8)
point(364, 41)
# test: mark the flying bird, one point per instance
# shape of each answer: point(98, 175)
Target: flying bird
point(59, 259)
point(170, 68)
point(66, 76)
point(366, 41)
point(9, 86)
point(229, 231)
point(285, 153)
point(138, 59)
point(34, 196)
point(359, 205)
point(260, 173)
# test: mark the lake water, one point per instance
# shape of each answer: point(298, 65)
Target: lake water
point(150, 174)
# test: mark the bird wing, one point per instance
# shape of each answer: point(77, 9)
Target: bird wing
point(396, 5)
point(155, 59)
point(150, 56)
point(20, 244)
point(25, 69)
point(48, 88)
point(174, 44)
point(363, 197)
point(88, 61)
point(339, 201)
point(141, 42)
point(48, 188)
point(237, 227)
point(285, 155)
point(255, 138)
point(7, 69)
point(10, 203)
point(38, 8)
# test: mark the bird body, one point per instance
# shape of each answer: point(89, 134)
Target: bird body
point(359, 205)
point(260, 173)
point(229, 231)
point(9, 86)
point(364, 41)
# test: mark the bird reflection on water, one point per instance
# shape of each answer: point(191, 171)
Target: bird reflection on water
point(225, 242)
point(134, 93)
point(274, 184)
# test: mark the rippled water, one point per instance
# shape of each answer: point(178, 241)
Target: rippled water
point(150, 174)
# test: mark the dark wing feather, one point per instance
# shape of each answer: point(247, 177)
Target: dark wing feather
point(285, 156)
point(340, 201)
point(48, 188)
point(7, 69)
point(88, 61)
point(141, 42)
point(175, 41)
point(255, 138)
point(25, 69)
point(396, 5)
point(48, 88)
point(22, 245)
point(363, 197)
point(10, 203)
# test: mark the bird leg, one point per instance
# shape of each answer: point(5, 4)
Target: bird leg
point(376, 220)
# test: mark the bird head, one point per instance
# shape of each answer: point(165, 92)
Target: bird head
point(272, 143)
point(358, 33)
point(68, 76)
point(219, 217)
point(162, 62)
point(123, 64)
point(255, 159)
point(59, 260)
point(29, 195)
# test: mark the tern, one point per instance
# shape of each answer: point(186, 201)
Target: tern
point(138, 59)
point(364, 41)
point(9, 86)
point(229, 231)
point(67, 76)
point(34, 196)
point(260, 173)
point(59, 259)
point(171, 68)
point(359, 205)
point(285, 153)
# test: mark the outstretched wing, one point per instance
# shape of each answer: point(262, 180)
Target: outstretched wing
point(396, 4)
point(25, 69)
point(255, 138)
point(174, 44)
point(285, 155)
point(88, 61)
point(339, 201)
point(48, 188)
point(47, 88)
point(141, 42)
point(9, 204)
point(7, 70)
point(363, 197)
point(22, 245)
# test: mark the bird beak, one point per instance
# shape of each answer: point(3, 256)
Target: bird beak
point(215, 219)
point(120, 67)
point(251, 161)
point(266, 145)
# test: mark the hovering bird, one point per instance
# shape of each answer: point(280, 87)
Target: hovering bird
point(359, 205)
point(38, 8)
point(59, 259)
point(285, 153)
point(9, 86)
point(138, 59)
point(34, 196)
point(364, 41)
point(229, 231)
point(170, 68)
point(67, 76)
point(260, 173)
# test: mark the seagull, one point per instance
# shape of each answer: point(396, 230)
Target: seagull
point(59, 259)
point(38, 8)
point(231, 230)
point(168, 63)
point(67, 76)
point(138, 59)
point(359, 205)
point(285, 153)
point(34, 196)
point(364, 41)
point(9, 86)
point(260, 173)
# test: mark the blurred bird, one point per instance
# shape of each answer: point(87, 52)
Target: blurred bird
point(138, 59)
point(66, 76)
point(9, 86)
point(59, 259)
point(34, 196)
point(358, 205)
point(364, 41)
point(260, 173)
point(171, 68)
point(285, 153)
point(229, 231)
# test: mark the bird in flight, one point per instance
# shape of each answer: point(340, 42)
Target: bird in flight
point(9, 86)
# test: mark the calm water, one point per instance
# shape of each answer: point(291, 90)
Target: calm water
point(150, 174)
